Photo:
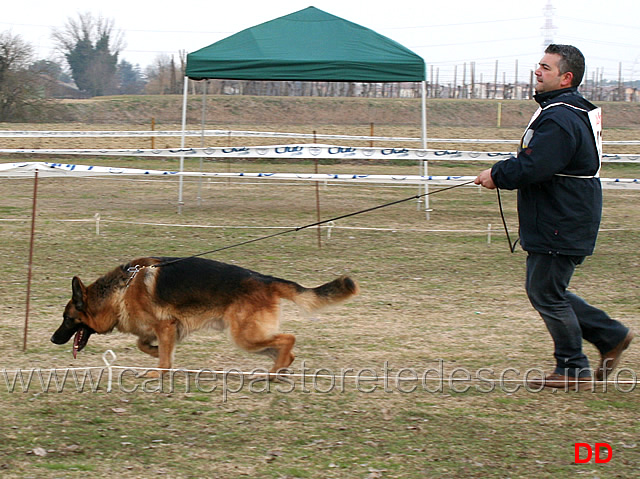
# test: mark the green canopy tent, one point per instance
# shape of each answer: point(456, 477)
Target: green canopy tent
point(308, 45)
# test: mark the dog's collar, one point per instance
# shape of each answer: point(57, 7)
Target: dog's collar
point(134, 270)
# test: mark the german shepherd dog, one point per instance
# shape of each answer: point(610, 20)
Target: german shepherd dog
point(163, 300)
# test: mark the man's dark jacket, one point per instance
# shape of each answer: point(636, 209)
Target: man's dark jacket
point(558, 214)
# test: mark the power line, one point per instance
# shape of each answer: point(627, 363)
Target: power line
point(473, 42)
point(601, 24)
point(462, 24)
point(209, 32)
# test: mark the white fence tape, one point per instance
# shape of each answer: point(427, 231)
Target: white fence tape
point(44, 169)
point(248, 134)
point(219, 133)
point(304, 151)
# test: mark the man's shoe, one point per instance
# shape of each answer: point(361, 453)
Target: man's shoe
point(609, 361)
point(559, 381)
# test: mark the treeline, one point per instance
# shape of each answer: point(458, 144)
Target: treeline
point(89, 66)
point(307, 88)
point(596, 90)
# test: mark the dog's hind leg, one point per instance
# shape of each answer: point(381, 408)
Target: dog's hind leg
point(271, 352)
point(278, 347)
point(284, 344)
point(258, 333)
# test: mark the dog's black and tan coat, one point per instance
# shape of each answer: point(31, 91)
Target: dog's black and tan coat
point(170, 298)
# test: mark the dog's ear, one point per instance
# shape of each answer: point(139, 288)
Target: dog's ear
point(78, 294)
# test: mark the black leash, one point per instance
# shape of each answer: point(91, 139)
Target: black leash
point(512, 246)
point(318, 223)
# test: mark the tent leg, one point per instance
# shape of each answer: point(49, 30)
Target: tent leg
point(425, 167)
point(202, 143)
point(182, 142)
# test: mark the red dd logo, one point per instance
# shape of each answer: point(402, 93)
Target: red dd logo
point(595, 452)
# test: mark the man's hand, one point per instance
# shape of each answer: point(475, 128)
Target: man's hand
point(485, 180)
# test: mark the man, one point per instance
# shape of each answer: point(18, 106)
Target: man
point(559, 208)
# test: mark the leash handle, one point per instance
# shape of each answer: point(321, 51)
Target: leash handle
point(512, 246)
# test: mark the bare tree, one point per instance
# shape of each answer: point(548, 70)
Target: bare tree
point(18, 85)
point(164, 77)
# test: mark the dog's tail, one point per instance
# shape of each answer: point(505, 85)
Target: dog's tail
point(328, 294)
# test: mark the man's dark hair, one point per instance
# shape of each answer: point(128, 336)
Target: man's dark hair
point(572, 60)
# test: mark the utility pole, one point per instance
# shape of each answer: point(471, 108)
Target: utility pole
point(548, 29)
point(495, 82)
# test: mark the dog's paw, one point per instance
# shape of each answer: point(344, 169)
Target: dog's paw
point(281, 375)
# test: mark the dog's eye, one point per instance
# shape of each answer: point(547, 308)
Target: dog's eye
point(70, 320)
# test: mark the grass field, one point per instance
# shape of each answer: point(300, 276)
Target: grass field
point(420, 376)
point(437, 301)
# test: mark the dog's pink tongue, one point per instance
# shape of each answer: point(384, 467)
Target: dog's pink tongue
point(76, 339)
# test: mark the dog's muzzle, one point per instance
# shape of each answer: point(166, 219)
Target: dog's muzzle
point(82, 334)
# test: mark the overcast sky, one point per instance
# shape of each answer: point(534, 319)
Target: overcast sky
point(444, 33)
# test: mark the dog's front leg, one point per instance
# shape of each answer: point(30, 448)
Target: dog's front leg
point(145, 346)
point(167, 334)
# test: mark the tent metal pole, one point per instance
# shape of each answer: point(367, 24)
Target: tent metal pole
point(182, 141)
point(424, 115)
point(424, 143)
point(205, 83)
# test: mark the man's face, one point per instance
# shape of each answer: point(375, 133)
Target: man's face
point(548, 76)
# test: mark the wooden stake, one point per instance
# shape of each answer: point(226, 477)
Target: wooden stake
point(30, 264)
point(317, 197)
point(153, 128)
